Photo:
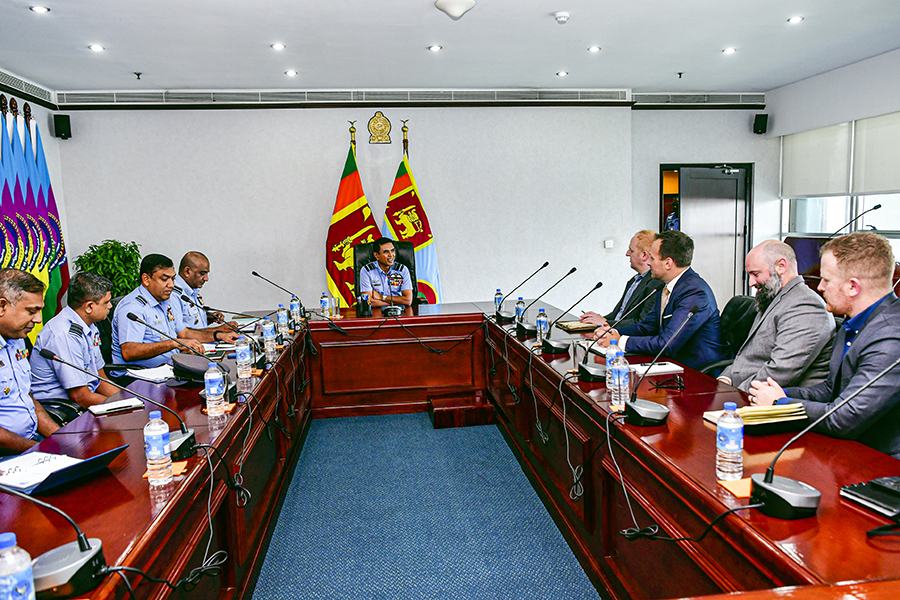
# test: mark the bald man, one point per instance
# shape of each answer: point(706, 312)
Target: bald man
point(193, 272)
point(790, 340)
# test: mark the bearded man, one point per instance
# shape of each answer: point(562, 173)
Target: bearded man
point(791, 337)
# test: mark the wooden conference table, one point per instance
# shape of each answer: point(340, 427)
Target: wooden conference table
point(478, 373)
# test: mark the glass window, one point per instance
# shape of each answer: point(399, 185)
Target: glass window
point(884, 220)
point(818, 215)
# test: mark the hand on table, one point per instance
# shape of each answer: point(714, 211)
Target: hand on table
point(765, 393)
point(593, 318)
point(604, 337)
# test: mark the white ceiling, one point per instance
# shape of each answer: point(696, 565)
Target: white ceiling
point(381, 44)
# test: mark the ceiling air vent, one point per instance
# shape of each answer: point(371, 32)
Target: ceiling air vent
point(242, 97)
point(141, 97)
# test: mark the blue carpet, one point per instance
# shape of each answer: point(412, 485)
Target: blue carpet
point(388, 507)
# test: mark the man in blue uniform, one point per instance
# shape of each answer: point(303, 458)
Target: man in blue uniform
point(138, 344)
point(193, 272)
point(72, 335)
point(386, 281)
point(23, 422)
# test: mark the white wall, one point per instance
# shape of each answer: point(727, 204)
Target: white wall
point(865, 89)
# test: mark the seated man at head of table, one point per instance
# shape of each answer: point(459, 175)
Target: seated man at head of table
point(385, 280)
point(193, 272)
point(698, 342)
point(23, 421)
point(135, 343)
point(629, 309)
point(72, 335)
point(856, 273)
point(790, 339)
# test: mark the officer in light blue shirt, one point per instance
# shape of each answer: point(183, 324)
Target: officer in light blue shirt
point(385, 280)
point(134, 342)
point(23, 422)
point(72, 335)
point(193, 272)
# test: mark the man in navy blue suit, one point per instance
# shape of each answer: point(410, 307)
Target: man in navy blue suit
point(698, 343)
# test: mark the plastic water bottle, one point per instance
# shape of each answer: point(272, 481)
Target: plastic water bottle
point(325, 304)
point(610, 357)
point(520, 309)
point(282, 317)
point(542, 324)
point(16, 578)
point(244, 356)
point(214, 381)
point(498, 301)
point(295, 311)
point(730, 444)
point(268, 330)
point(157, 450)
point(621, 388)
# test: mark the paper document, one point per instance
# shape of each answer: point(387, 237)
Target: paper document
point(763, 414)
point(660, 368)
point(27, 470)
point(156, 374)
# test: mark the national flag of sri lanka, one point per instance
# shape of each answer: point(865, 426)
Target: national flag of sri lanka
point(405, 221)
point(351, 223)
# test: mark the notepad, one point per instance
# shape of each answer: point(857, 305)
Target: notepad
point(763, 414)
point(575, 326)
point(156, 374)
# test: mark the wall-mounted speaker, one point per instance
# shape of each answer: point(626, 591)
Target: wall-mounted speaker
point(760, 123)
point(62, 128)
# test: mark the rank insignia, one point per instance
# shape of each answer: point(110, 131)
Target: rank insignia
point(6, 391)
point(169, 314)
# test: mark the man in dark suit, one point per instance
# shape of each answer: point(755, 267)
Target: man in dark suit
point(856, 273)
point(698, 341)
point(637, 289)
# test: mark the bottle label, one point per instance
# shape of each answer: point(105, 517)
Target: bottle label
point(18, 586)
point(498, 301)
point(610, 357)
point(543, 324)
point(295, 307)
point(269, 329)
point(622, 376)
point(730, 439)
point(242, 354)
point(282, 317)
point(519, 310)
point(215, 386)
point(324, 303)
point(156, 445)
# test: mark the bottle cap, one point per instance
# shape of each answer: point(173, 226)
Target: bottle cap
point(498, 289)
point(540, 310)
point(281, 306)
point(620, 353)
point(268, 319)
point(212, 365)
point(155, 414)
point(611, 342)
point(241, 337)
point(520, 298)
point(731, 406)
point(7, 540)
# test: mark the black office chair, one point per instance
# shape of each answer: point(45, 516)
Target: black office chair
point(734, 327)
point(363, 254)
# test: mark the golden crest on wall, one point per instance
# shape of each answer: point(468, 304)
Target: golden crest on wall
point(379, 129)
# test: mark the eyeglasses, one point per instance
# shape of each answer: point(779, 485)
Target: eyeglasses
point(672, 383)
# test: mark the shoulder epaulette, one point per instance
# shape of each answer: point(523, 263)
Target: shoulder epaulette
point(370, 266)
point(142, 300)
point(76, 330)
point(177, 289)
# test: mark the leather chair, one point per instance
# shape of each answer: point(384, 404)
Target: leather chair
point(734, 327)
point(363, 254)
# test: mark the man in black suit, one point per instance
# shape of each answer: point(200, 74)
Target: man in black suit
point(638, 287)
point(856, 271)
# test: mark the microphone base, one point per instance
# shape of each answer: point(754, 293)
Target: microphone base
point(784, 498)
point(391, 311)
point(549, 346)
point(526, 329)
point(183, 445)
point(591, 373)
point(66, 571)
point(504, 316)
point(643, 413)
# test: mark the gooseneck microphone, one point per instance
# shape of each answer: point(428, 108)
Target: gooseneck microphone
point(528, 329)
point(183, 443)
point(508, 316)
point(644, 413)
point(555, 347)
point(133, 317)
point(785, 498)
point(187, 299)
point(69, 570)
point(852, 221)
point(594, 373)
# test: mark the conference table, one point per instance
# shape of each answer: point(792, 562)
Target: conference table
point(457, 363)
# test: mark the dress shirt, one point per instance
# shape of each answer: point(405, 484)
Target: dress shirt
point(159, 314)
point(17, 413)
point(70, 338)
point(191, 316)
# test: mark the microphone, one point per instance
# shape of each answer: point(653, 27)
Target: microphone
point(554, 347)
point(852, 221)
point(392, 310)
point(785, 498)
point(183, 443)
point(69, 570)
point(508, 316)
point(187, 299)
point(644, 413)
point(527, 329)
point(595, 373)
point(133, 317)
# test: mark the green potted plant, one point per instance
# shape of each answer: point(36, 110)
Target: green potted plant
point(118, 261)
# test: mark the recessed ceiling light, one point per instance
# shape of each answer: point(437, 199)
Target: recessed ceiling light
point(795, 20)
point(594, 49)
point(562, 73)
point(278, 46)
point(729, 50)
point(435, 48)
point(40, 9)
point(291, 73)
point(96, 47)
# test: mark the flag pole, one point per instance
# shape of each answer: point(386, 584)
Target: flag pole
point(405, 130)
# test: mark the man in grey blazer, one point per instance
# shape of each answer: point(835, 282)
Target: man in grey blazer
point(856, 282)
point(790, 340)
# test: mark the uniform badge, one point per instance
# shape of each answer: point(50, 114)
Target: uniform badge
point(21, 353)
point(97, 339)
point(6, 391)
point(2, 364)
point(395, 279)
point(169, 314)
